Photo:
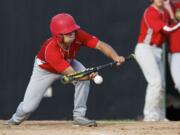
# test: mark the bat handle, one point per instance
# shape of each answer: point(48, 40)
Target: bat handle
point(129, 57)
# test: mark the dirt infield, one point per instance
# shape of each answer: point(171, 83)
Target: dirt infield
point(104, 128)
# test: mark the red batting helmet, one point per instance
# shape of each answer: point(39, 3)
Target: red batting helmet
point(151, 0)
point(62, 24)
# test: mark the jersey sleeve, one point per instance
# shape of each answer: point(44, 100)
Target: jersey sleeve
point(154, 21)
point(87, 39)
point(55, 59)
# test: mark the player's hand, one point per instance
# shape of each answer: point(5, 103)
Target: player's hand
point(88, 77)
point(119, 60)
point(92, 75)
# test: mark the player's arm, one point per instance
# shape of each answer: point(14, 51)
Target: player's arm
point(155, 22)
point(93, 42)
point(169, 29)
point(109, 52)
point(167, 5)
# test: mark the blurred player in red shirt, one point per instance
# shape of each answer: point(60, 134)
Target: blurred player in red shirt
point(57, 57)
point(154, 27)
point(174, 45)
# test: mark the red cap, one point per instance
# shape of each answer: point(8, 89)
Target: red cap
point(62, 24)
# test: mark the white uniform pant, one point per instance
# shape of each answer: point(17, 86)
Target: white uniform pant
point(175, 69)
point(149, 60)
point(40, 81)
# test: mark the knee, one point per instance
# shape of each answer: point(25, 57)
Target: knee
point(85, 82)
point(82, 83)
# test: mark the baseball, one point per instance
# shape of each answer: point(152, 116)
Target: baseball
point(98, 79)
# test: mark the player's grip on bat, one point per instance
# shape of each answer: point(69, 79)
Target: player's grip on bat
point(119, 60)
point(77, 75)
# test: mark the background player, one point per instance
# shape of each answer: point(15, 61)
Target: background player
point(56, 58)
point(154, 26)
point(174, 45)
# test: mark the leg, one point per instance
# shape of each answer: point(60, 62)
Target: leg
point(81, 92)
point(175, 70)
point(80, 98)
point(39, 82)
point(149, 66)
point(162, 105)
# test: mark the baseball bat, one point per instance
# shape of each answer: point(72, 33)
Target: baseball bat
point(77, 75)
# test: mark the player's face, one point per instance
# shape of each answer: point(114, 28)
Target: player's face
point(69, 38)
point(159, 3)
point(177, 14)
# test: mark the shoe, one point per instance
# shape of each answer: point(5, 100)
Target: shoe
point(156, 119)
point(150, 119)
point(82, 121)
point(164, 120)
point(11, 122)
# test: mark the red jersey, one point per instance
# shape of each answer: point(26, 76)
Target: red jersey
point(151, 25)
point(174, 41)
point(55, 59)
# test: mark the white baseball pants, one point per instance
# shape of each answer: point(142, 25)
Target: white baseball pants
point(175, 69)
point(40, 81)
point(149, 60)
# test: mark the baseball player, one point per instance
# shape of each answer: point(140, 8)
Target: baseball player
point(56, 58)
point(174, 45)
point(154, 27)
point(169, 5)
